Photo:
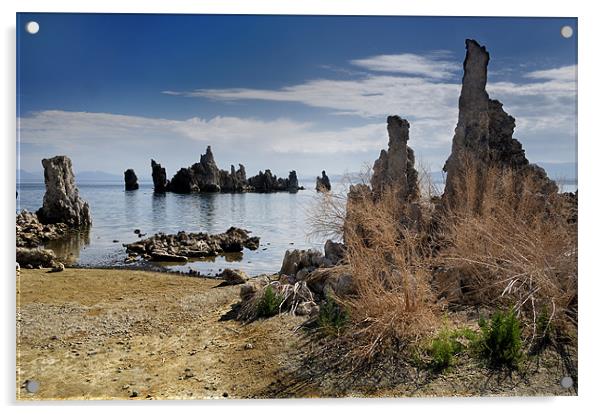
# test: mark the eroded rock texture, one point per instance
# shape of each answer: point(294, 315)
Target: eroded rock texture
point(206, 173)
point(159, 177)
point(205, 176)
point(483, 136)
point(323, 183)
point(131, 181)
point(62, 203)
point(394, 169)
point(182, 246)
point(267, 182)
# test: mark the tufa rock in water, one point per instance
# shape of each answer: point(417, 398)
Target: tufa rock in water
point(160, 182)
point(62, 203)
point(131, 181)
point(234, 181)
point(184, 182)
point(206, 173)
point(266, 182)
point(323, 183)
point(483, 135)
point(394, 169)
point(293, 182)
point(182, 246)
point(205, 176)
point(32, 233)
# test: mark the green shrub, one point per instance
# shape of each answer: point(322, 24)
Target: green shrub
point(332, 317)
point(447, 345)
point(269, 304)
point(501, 341)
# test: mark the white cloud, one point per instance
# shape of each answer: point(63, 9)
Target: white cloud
point(435, 65)
point(543, 103)
point(72, 130)
point(564, 73)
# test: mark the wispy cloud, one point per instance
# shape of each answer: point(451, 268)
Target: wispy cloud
point(433, 65)
point(73, 130)
point(564, 73)
point(542, 101)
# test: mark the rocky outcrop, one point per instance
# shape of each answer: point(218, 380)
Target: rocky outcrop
point(182, 246)
point(234, 181)
point(184, 182)
point(323, 183)
point(205, 176)
point(206, 173)
point(160, 182)
point(62, 203)
point(233, 276)
point(266, 182)
point(131, 181)
point(293, 182)
point(394, 169)
point(30, 258)
point(32, 233)
point(323, 273)
point(484, 136)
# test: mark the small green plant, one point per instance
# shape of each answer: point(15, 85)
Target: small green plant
point(444, 348)
point(501, 341)
point(269, 304)
point(332, 317)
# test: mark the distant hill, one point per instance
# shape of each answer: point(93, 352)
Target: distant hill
point(83, 176)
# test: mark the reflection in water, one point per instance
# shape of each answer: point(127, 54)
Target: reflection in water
point(158, 204)
point(68, 248)
point(278, 219)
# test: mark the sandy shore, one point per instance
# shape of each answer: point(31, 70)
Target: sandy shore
point(119, 334)
point(127, 334)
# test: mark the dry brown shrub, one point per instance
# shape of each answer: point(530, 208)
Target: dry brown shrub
point(518, 248)
point(393, 304)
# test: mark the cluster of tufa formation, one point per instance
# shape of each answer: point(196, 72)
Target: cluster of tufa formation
point(323, 183)
point(62, 203)
point(31, 233)
point(483, 135)
point(182, 246)
point(62, 209)
point(205, 176)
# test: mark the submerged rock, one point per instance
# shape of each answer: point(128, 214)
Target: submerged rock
point(323, 183)
point(484, 136)
point(182, 246)
point(62, 203)
point(131, 181)
point(31, 233)
point(160, 182)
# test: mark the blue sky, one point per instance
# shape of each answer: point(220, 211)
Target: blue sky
point(280, 92)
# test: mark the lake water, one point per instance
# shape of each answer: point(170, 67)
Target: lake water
point(279, 219)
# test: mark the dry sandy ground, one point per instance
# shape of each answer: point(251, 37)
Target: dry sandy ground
point(124, 334)
point(119, 334)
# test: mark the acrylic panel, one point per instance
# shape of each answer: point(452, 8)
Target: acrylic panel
point(280, 206)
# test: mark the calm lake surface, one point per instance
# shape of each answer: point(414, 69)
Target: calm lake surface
point(279, 219)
